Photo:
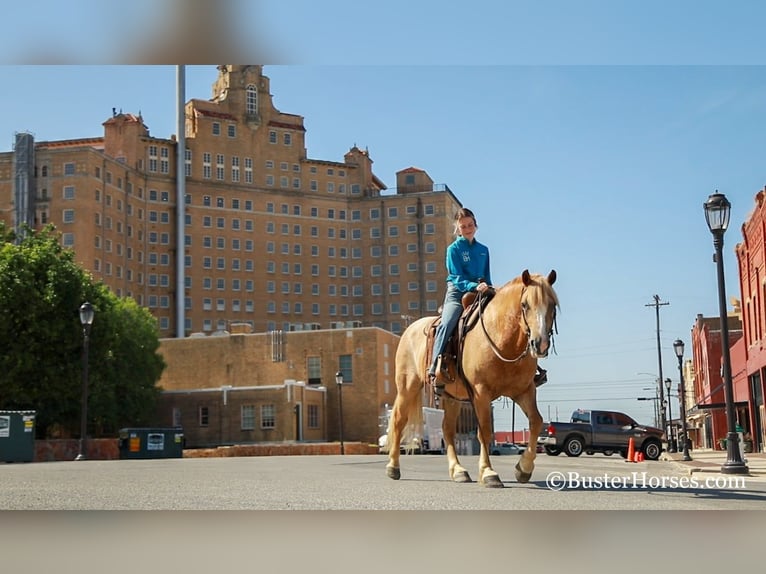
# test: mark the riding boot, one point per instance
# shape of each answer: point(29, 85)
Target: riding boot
point(541, 376)
point(438, 381)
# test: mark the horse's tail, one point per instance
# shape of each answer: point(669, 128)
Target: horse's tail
point(412, 436)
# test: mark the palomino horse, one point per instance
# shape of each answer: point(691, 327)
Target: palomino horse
point(499, 358)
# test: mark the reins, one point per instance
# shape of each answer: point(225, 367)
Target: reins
point(525, 352)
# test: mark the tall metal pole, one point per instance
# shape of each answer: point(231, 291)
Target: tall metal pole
point(671, 436)
point(656, 306)
point(86, 319)
point(180, 202)
point(339, 382)
point(678, 345)
point(734, 463)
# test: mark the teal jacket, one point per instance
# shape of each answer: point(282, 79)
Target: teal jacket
point(467, 263)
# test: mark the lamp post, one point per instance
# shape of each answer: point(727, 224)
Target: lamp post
point(86, 318)
point(717, 211)
point(678, 347)
point(671, 438)
point(339, 382)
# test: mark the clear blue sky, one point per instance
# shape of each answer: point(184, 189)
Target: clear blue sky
point(587, 143)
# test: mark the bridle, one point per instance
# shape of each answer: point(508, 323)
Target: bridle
point(525, 352)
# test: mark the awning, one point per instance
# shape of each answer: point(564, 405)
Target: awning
point(719, 405)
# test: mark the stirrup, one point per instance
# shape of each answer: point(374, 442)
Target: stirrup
point(541, 377)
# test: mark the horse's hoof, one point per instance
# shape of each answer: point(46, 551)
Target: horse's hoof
point(393, 472)
point(493, 481)
point(461, 476)
point(521, 476)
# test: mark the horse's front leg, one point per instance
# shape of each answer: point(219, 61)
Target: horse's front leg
point(526, 463)
point(487, 476)
point(449, 427)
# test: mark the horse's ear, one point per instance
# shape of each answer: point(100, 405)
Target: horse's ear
point(525, 277)
point(552, 277)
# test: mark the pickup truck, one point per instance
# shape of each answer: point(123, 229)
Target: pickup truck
point(600, 431)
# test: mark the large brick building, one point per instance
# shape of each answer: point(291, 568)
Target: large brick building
point(272, 238)
point(300, 266)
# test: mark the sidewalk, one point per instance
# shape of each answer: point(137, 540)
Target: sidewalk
point(711, 461)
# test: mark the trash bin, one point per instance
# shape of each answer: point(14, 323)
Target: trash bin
point(151, 442)
point(17, 436)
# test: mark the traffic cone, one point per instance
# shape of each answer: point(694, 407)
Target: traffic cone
point(640, 456)
point(631, 450)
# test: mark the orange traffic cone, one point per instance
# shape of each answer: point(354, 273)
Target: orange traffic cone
point(640, 456)
point(631, 450)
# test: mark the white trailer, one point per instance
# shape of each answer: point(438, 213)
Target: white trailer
point(426, 438)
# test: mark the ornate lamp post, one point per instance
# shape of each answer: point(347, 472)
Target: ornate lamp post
point(678, 347)
point(717, 211)
point(671, 438)
point(339, 382)
point(86, 318)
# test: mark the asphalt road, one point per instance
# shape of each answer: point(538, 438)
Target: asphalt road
point(359, 482)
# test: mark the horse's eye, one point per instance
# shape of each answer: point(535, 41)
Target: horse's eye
point(525, 305)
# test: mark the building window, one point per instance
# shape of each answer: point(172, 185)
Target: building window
point(268, 417)
point(204, 416)
point(344, 364)
point(313, 416)
point(248, 417)
point(314, 368)
point(251, 100)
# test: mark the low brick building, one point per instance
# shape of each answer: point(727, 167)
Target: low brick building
point(243, 388)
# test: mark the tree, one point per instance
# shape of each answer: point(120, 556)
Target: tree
point(41, 290)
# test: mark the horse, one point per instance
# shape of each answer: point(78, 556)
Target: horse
point(499, 358)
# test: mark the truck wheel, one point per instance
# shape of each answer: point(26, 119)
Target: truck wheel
point(589, 452)
point(573, 446)
point(552, 450)
point(608, 452)
point(652, 449)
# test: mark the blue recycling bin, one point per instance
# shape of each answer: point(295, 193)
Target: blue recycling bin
point(17, 436)
point(151, 442)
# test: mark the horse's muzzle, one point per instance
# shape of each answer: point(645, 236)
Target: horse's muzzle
point(540, 347)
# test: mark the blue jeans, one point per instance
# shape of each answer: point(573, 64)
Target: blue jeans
point(451, 311)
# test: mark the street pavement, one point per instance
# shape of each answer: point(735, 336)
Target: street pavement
point(359, 482)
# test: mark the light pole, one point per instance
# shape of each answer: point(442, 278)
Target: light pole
point(671, 439)
point(339, 382)
point(86, 318)
point(678, 347)
point(717, 211)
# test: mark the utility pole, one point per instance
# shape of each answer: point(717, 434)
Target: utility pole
point(657, 304)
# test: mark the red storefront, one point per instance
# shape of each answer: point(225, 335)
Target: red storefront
point(749, 371)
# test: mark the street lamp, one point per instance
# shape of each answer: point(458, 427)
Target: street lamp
point(717, 211)
point(86, 318)
point(339, 382)
point(671, 439)
point(678, 347)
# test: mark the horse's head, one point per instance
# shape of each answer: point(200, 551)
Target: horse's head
point(538, 309)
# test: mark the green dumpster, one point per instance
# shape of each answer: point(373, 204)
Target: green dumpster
point(151, 442)
point(17, 436)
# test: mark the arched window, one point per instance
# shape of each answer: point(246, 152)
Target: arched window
point(252, 100)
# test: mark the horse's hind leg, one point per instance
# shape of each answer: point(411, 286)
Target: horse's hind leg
point(526, 464)
point(449, 427)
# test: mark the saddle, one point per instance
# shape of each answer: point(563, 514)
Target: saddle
point(453, 351)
